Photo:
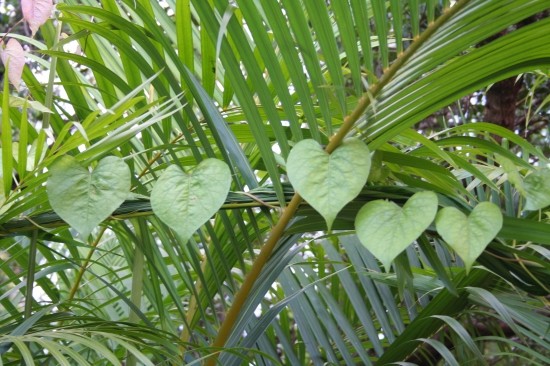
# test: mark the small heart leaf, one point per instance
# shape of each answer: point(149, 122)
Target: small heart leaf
point(328, 182)
point(185, 201)
point(386, 229)
point(469, 236)
point(13, 57)
point(537, 189)
point(84, 199)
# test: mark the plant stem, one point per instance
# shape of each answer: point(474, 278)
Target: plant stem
point(335, 141)
point(84, 266)
point(138, 269)
point(250, 279)
point(30, 275)
point(51, 79)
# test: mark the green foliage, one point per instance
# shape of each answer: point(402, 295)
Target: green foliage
point(201, 97)
point(537, 189)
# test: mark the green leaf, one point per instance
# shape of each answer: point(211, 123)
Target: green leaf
point(537, 189)
point(386, 229)
point(469, 236)
point(513, 174)
point(329, 182)
point(6, 139)
point(18, 102)
point(83, 198)
point(185, 201)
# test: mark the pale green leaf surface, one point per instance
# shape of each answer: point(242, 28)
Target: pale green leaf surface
point(19, 102)
point(329, 182)
point(386, 229)
point(469, 236)
point(537, 189)
point(85, 199)
point(513, 174)
point(185, 201)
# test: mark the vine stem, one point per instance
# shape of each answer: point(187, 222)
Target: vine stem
point(85, 265)
point(288, 213)
point(30, 275)
point(51, 79)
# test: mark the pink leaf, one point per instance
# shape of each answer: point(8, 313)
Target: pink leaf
point(36, 12)
point(14, 54)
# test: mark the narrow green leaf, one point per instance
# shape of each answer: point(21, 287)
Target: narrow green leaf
point(319, 19)
point(185, 201)
point(84, 199)
point(440, 269)
point(381, 25)
point(489, 299)
point(18, 102)
point(23, 141)
point(442, 350)
point(464, 336)
point(299, 25)
point(272, 64)
point(396, 11)
point(347, 32)
point(25, 352)
point(246, 99)
point(221, 132)
point(386, 229)
point(209, 58)
point(329, 182)
point(7, 153)
point(290, 57)
point(469, 236)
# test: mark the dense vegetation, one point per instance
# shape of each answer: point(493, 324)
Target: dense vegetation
point(166, 200)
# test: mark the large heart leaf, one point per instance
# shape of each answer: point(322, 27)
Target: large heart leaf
point(36, 12)
point(328, 182)
point(469, 236)
point(83, 198)
point(386, 229)
point(185, 201)
point(537, 189)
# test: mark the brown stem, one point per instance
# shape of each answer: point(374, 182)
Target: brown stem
point(251, 277)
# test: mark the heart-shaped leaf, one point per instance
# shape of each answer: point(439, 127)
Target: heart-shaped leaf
point(386, 229)
point(36, 12)
point(185, 201)
point(13, 57)
point(84, 199)
point(328, 182)
point(469, 236)
point(537, 189)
